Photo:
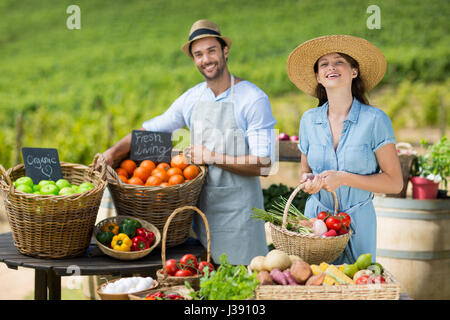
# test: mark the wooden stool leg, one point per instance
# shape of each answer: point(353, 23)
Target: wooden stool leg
point(40, 285)
point(54, 285)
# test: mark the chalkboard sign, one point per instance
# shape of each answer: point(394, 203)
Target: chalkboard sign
point(148, 145)
point(41, 164)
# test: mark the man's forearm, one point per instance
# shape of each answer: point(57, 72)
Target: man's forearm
point(243, 165)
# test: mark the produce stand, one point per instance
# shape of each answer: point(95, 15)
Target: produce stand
point(48, 272)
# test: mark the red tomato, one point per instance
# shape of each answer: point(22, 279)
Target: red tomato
point(184, 273)
point(333, 223)
point(345, 218)
point(203, 264)
point(171, 267)
point(342, 230)
point(362, 280)
point(323, 215)
point(189, 261)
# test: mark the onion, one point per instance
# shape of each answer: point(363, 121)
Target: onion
point(283, 136)
point(319, 227)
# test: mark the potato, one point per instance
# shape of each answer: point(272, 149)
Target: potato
point(276, 259)
point(257, 264)
point(264, 278)
point(294, 258)
point(300, 271)
point(316, 280)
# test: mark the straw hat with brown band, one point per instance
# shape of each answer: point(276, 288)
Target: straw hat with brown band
point(203, 29)
point(300, 64)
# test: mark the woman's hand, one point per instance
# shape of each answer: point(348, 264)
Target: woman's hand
point(313, 183)
point(332, 179)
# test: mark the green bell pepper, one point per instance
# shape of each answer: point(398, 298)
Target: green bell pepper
point(129, 229)
point(105, 237)
point(133, 222)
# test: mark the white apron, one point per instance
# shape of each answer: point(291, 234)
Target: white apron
point(227, 198)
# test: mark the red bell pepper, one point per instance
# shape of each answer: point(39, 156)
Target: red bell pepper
point(150, 236)
point(139, 243)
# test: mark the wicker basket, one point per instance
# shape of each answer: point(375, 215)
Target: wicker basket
point(161, 274)
point(49, 226)
point(311, 248)
point(155, 204)
point(126, 255)
point(180, 290)
point(383, 291)
point(123, 296)
point(406, 156)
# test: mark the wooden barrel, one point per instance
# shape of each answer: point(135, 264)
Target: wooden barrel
point(413, 243)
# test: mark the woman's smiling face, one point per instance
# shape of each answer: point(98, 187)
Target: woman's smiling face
point(334, 71)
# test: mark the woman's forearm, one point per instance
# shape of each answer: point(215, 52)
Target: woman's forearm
point(377, 183)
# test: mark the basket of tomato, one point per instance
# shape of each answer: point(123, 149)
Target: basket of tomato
point(188, 268)
point(151, 191)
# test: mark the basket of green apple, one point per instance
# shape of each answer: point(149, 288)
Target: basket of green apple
point(53, 219)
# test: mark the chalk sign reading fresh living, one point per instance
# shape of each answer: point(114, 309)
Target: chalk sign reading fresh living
point(41, 164)
point(148, 145)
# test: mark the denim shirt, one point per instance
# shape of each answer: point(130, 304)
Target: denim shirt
point(365, 130)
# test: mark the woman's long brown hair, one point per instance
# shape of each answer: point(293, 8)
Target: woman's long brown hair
point(358, 90)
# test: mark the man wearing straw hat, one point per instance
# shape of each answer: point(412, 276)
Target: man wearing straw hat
point(231, 126)
point(347, 145)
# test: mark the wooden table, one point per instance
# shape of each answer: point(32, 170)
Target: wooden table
point(48, 272)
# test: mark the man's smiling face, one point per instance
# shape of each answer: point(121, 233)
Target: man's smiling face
point(209, 57)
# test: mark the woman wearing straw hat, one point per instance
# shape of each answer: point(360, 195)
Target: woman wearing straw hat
point(347, 145)
point(231, 126)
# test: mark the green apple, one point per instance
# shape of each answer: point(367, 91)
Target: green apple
point(86, 185)
point(36, 187)
point(45, 182)
point(75, 188)
point(66, 191)
point(25, 180)
point(25, 188)
point(364, 261)
point(49, 189)
point(63, 183)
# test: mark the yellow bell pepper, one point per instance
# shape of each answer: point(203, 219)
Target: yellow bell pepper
point(114, 228)
point(121, 242)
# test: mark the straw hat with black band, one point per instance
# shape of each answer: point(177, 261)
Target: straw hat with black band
point(203, 29)
point(300, 64)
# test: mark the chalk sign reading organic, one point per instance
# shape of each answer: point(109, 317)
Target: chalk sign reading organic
point(42, 164)
point(155, 146)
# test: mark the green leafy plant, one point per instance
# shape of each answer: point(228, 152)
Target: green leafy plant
point(228, 282)
point(435, 163)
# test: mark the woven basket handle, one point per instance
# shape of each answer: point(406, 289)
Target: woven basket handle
point(7, 178)
point(102, 168)
point(166, 227)
point(291, 198)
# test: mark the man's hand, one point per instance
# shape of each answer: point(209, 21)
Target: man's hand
point(332, 179)
point(200, 155)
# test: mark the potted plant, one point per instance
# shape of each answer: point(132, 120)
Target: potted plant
point(430, 169)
